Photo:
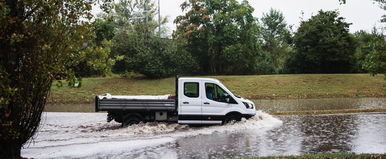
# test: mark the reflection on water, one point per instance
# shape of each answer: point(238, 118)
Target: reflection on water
point(327, 134)
point(338, 133)
point(280, 105)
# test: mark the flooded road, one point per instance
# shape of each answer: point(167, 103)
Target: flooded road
point(87, 135)
point(283, 105)
point(307, 134)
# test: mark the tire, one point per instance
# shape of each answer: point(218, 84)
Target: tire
point(130, 120)
point(232, 119)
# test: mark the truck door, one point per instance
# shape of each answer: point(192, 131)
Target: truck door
point(189, 111)
point(214, 103)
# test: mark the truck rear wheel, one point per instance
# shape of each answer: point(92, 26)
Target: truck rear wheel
point(231, 119)
point(130, 120)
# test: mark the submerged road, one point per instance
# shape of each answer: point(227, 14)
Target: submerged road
point(88, 135)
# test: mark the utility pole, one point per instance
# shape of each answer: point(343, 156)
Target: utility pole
point(159, 20)
point(146, 21)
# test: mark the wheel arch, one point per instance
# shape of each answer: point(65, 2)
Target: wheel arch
point(233, 113)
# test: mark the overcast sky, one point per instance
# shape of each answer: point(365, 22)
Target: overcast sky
point(364, 14)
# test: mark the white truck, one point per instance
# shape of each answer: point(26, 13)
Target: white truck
point(197, 101)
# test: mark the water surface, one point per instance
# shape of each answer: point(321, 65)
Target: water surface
point(280, 105)
point(305, 134)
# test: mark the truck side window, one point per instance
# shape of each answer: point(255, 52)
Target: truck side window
point(216, 93)
point(191, 89)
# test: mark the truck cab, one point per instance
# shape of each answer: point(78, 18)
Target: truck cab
point(208, 101)
point(197, 101)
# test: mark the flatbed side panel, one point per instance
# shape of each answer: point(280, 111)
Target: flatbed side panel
point(144, 105)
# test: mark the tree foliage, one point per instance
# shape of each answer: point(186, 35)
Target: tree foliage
point(153, 57)
point(39, 40)
point(133, 13)
point(94, 60)
point(104, 29)
point(371, 51)
point(136, 46)
point(221, 34)
point(323, 45)
point(276, 39)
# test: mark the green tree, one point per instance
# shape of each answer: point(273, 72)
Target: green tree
point(221, 34)
point(374, 61)
point(371, 51)
point(126, 12)
point(153, 57)
point(39, 40)
point(276, 39)
point(104, 29)
point(132, 30)
point(127, 43)
point(95, 58)
point(133, 13)
point(323, 45)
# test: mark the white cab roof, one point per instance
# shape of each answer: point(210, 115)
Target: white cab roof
point(199, 79)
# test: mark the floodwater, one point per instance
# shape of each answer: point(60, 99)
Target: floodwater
point(306, 134)
point(87, 135)
point(282, 105)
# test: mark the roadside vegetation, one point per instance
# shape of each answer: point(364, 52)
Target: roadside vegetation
point(251, 86)
point(327, 156)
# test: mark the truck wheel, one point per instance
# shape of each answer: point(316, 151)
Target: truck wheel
point(131, 120)
point(231, 119)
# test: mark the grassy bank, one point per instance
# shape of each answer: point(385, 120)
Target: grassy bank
point(253, 86)
point(328, 156)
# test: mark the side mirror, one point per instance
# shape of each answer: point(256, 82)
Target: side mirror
point(227, 99)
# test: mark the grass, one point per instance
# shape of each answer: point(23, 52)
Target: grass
point(328, 156)
point(252, 87)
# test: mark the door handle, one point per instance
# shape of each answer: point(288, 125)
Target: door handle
point(185, 102)
point(206, 103)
